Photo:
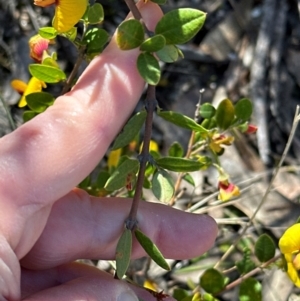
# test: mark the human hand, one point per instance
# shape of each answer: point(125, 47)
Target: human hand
point(46, 224)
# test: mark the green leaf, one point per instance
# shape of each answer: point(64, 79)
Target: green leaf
point(28, 115)
point(176, 150)
point(189, 179)
point(119, 178)
point(102, 178)
point(154, 43)
point(163, 185)
point(46, 73)
point(71, 34)
point(123, 253)
point(168, 54)
point(179, 294)
point(39, 101)
point(148, 68)
point(151, 249)
point(131, 129)
point(265, 248)
point(243, 109)
point(130, 34)
point(95, 39)
point(48, 33)
point(179, 164)
point(180, 25)
point(212, 281)
point(207, 110)
point(246, 264)
point(250, 290)
point(181, 120)
point(225, 114)
point(95, 14)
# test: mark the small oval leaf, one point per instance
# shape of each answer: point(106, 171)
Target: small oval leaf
point(123, 253)
point(130, 34)
point(151, 249)
point(181, 120)
point(163, 186)
point(95, 14)
point(179, 164)
point(243, 109)
point(180, 25)
point(225, 114)
point(148, 68)
point(207, 110)
point(250, 290)
point(168, 54)
point(176, 150)
point(265, 248)
point(48, 33)
point(119, 178)
point(39, 101)
point(28, 115)
point(46, 73)
point(154, 43)
point(131, 129)
point(212, 281)
point(95, 39)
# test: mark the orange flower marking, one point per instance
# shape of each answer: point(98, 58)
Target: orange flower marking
point(37, 46)
point(227, 190)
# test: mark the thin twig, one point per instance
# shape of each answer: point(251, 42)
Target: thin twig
point(250, 274)
point(9, 117)
point(287, 147)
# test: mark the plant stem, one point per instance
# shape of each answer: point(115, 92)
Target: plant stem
point(151, 102)
point(287, 147)
point(72, 75)
point(250, 274)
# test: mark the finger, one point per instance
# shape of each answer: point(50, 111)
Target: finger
point(77, 281)
point(81, 226)
point(46, 157)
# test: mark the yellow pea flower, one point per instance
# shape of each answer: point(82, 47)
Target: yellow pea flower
point(34, 85)
point(67, 12)
point(114, 157)
point(37, 46)
point(289, 245)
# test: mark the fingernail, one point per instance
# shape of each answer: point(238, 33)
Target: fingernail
point(127, 296)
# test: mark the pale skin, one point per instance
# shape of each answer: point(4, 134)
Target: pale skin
point(46, 224)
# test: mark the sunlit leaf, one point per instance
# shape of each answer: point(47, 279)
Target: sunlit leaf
point(148, 68)
point(163, 185)
point(123, 253)
point(95, 14)
point(46, 73)
point(130, 34)
point(151, 249)
point(95, 40)
point(180, 25)
point(168, 54)
point(48, 33)
point(131, 129)
point(154, 43)
point(250, 290)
